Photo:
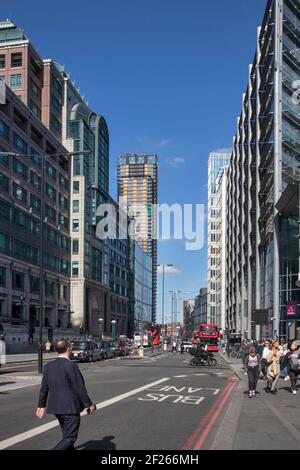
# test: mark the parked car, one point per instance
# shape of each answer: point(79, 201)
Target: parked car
point(105, 350)
point(85, 351)
point(187, 346)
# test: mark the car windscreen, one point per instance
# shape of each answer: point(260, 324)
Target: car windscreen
point(79, 345)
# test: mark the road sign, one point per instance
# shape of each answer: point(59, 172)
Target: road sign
point(291, 310)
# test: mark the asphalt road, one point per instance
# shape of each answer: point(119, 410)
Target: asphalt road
point(157, 403)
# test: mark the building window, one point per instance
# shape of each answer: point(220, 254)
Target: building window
point(3, 183)
point(97, 265)
point(63, 202)
point(20, 168)
point(49, 289)
point(51, 171)
point(75, 187)
point(19, 193)
point(51, 213)
point(20, 144)
point(51, 192)
point(56, 85)
point(2, 61)
point(56, 104)
point(35, 90)
point(16, 60)
point(36, 158)
point(75, 269)
point(16, 81)
point(17, 280)
point(55, 125)
point(75, 225)
point(86, 270)
point(2, 276)
point(35, 109)
point(4, 130)
point(87, 248)
point(34, 285)
point(64, 222)
point(63, 182)
point(35, 203)
point(75, 206)
point(75, 247)
point(35, 180)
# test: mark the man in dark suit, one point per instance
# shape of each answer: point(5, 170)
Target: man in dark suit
point(63, 391)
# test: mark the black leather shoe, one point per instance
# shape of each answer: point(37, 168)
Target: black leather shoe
point(268, 390)
point(274, 392)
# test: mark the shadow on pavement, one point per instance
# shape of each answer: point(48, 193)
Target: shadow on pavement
point(105, 444)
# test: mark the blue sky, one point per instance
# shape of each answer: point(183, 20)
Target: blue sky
point(167, 75)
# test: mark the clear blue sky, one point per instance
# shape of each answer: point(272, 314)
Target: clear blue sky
point(167, 75)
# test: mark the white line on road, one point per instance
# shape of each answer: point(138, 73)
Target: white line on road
point(179, 376)
point(53, 424)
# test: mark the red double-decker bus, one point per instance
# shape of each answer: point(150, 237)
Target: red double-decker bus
point(208, 335)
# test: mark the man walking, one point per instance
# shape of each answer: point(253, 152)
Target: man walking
point(63, 391)
point(264, 359)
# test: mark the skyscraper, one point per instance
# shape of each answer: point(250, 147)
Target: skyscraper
point(137, 183)
point(216, 164)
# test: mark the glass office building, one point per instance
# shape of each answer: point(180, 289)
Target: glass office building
point(263, 189)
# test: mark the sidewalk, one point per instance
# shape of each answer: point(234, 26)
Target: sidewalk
point(28, 357)
point(266, 422)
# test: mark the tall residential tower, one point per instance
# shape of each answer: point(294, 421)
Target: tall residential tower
point(137, 183)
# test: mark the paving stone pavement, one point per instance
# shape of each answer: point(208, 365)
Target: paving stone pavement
point(266, 422)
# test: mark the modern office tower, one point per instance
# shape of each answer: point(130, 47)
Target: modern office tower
point(35, 81)
point(263, 192)
point(200, 310)
point(216, 164)
point(221, 199)
point(137, 183)
point(21, 199)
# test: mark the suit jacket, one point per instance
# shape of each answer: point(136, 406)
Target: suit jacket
point(63, 389)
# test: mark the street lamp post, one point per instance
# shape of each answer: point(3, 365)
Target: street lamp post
point(113, 330)
point(100, 328)
point(41, 258)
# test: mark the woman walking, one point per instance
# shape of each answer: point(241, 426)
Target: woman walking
point(273, 373)
point(294, 366)
point(284, 362)
point(253, 367)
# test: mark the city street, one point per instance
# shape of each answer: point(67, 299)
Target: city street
point(157, 402)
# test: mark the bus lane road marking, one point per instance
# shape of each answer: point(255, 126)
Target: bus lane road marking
point(186, 395)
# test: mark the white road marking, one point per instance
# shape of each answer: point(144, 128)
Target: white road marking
point(179, 376)
point(53, 424)
point(199, 375)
